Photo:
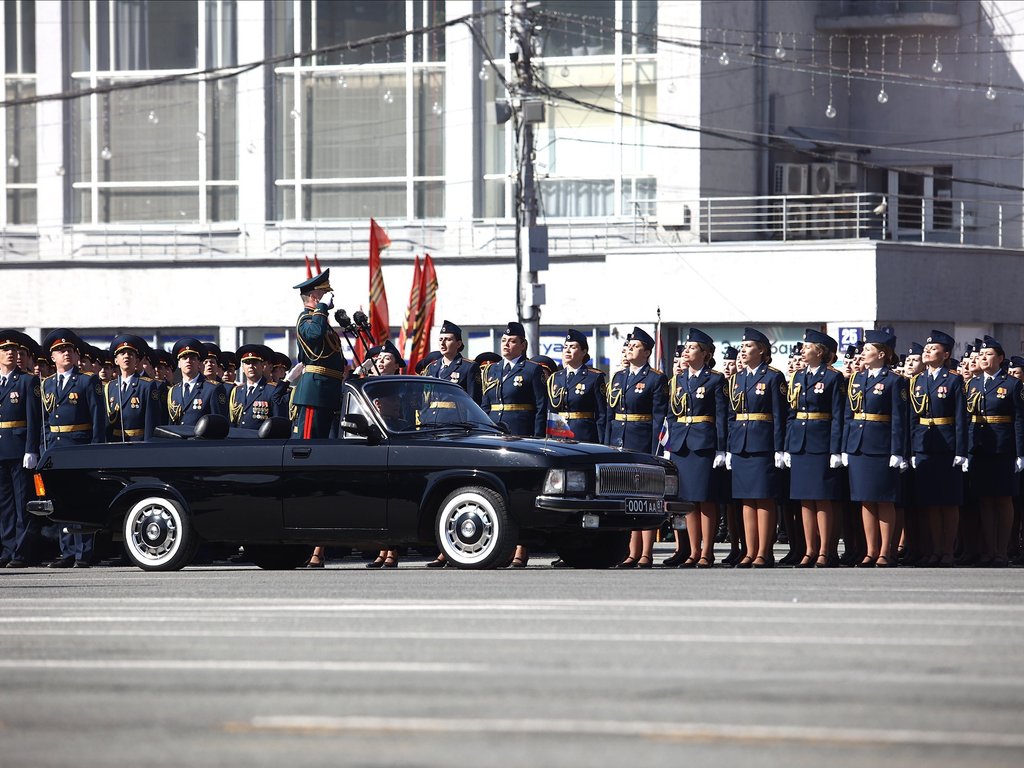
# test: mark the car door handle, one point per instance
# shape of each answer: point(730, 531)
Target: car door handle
point(301, 453)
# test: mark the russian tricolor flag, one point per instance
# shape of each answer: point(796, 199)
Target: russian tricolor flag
point(559, 427)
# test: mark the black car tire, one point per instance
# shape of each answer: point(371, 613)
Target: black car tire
point(600, 549)
point(278, 557)
point(474, 530)
point(158, 535)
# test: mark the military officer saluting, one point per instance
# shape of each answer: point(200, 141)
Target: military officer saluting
point(136, 404)
point(513, 389)
point(75, 415)
point(453, 366)
point(194, 396)
point(317, 394)
point(637, 398)
point(256, 399)
point(19, 452)
point(576, 392)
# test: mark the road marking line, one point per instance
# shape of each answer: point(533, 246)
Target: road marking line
point(244, 666)
point(646, 729)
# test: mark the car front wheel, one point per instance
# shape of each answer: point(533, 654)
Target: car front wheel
point(158, 535)
point(474, 529)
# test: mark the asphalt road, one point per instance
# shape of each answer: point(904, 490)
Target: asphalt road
point(226, 666)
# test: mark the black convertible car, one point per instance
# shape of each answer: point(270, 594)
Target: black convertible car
point(416, 462)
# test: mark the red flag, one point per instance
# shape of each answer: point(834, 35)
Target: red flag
point(316, 261)
point(378, 296)
point(408, 331)
point(421, 341)
point(309, 269)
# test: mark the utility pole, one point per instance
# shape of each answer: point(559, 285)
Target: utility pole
point(531, 239)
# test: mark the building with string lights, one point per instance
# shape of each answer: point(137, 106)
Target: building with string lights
point(838, 164)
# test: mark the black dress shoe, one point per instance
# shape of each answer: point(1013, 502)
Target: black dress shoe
point(674, 560)
point(791, 558)
point(4, 561)
point(83, 564)
point(17, 564)
point(766, 562)
point(644, 562)
point(439, 563)
point(732, 558)
point(744, 563)
point(64, 562)
point(378, 563)
point(629, 562)
point(560, 563)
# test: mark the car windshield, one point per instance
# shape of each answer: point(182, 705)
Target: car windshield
point(421, 404)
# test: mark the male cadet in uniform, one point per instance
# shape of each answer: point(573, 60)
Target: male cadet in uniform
point(210, 358)
point(1016, 367)
point(194, 396)
point(577, 391)
point(136, 404)
point(453, 366)
point(318, 392)
point(514, 388)
point(637, 399)
point(19, 452)
point(256, 399)
point(74, 416)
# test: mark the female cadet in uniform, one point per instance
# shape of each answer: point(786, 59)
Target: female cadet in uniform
point(389, 362)
point(938, 435)
point(697, 441)
point(732, 519)
point(637, 407)
point(756, 440)
point(874, 445)
point(994, 402)
point(814, 435)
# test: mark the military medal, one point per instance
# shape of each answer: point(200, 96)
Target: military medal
point(134, 402)
point(197, 404)
point(879, 388)
point(14, 396)
point(517, 381)
point(699, 393)
point(941, 392)
point(581, 389)
point(1000, 392)
point(453, 376)
point(639, 387)
point(819, 388)
point(73, 397)
point(759, 388)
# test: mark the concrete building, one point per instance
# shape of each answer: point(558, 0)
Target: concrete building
point(833, 164)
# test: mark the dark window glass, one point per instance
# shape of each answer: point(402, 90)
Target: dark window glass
point(578, 27)
point(156, 35)
point(357, 20)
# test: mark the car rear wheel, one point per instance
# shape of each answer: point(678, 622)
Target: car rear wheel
point(600, 549)
point(158, 535)
point(474, 529)
point(278, 557)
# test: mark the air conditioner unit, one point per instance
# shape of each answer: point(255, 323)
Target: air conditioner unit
point(790, 179)
point(846, 169)
point(823, 179)
point(821, 220)
point(796, 220)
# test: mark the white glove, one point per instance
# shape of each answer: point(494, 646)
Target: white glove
point(966, 462)
point(845, 458)
point(779, 462)
point(1020, 464)
point(728, 461)
point(720, 460)
point(30, 460)
point(895, 461)
point(787, 459)
point(835, 461)
point(667, 454)
point(903, 466)
point(293, 375)
point(913, 461)
point(327, 299)
point(959, 461)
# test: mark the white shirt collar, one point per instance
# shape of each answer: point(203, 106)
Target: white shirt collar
point(873, 372)
point(511, 363)
point(694, 375)
point(188, 382)
point(754, 369)
point(813, 371)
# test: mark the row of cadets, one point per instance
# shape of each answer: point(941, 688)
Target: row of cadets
point(74, 414)
point(637, 409)
point(258, 396)
point(194, 396)
point(19, 452)
point(136, 403)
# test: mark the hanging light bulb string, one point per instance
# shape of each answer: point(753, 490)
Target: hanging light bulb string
point(883, 97)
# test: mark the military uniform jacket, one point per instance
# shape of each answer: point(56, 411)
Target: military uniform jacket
point(580, 399)
point(138, 410)
point(319, 350)
point(637, 407)
point(940, 399)
point(461, 371)
point(876, 414)
point(268, 399)
point(700, 412)
point(19, 416)
point(518, 399)
point(817, 407)
point(75, 415)
point(205, 398)
point(758, 410)
point(996, 412)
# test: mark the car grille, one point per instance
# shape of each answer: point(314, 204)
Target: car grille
point(630, 480)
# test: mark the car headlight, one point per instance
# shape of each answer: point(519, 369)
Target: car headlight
point(671, 485)
point(575, 481)
point(554, 482)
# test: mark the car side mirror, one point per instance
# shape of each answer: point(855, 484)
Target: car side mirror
point(355, 424)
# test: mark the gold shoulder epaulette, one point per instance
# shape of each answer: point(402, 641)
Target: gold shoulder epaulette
point(655, 370)
point(147, 378)
point(598, 370)
point(47, 378)
point(84, 373)
point(770, 368)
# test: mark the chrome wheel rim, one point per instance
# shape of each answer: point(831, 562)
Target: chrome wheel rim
point(468, 528)
point(153, 532)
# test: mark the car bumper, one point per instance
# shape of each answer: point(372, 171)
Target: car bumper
point(604, 514)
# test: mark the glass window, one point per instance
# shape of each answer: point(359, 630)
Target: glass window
point(357, 20)
point(140, 205)
point(577, 27)
point(221, 33)
point(428, 124)
point(20, 36)
point(21, 134)
point(155, 35)
point(354, 201)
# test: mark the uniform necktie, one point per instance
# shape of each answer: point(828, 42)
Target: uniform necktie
point(507, 371)
point(124, 385)
point(63, 384)
point(188, 390)
point(3, 381)
point(248, 394)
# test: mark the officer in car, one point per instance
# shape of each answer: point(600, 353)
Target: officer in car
point(317, 394)
point(194, 396)
point(136, 404)
point(74, 414)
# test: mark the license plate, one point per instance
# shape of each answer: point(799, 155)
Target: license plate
point(645, 506)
